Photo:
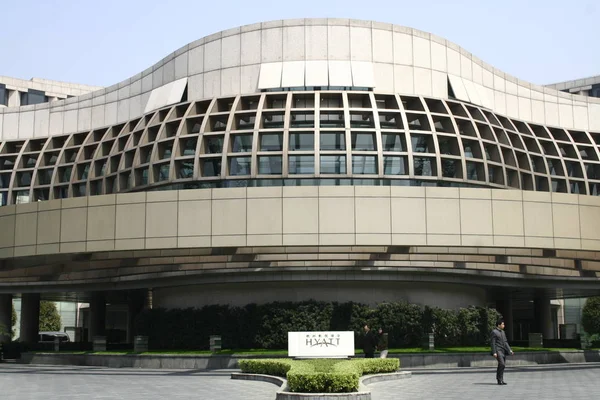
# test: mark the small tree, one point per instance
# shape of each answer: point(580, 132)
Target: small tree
point(590, 316)
point(49, 316)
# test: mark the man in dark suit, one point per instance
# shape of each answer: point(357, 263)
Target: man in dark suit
point(500, 349)
point(369, 343)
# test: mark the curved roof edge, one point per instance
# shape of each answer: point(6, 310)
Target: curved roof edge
point(212, 78)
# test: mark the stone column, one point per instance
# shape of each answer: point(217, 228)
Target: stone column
point(505, 307)
point(135, 303)
point(30, 317)
point(97, 326)
point(6, 316)
point(543, 317)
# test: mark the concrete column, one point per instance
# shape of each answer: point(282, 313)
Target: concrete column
point(97, 326)
point(135, 304)
point(6, 316)
point(505, 307)
point(30, 317)
point(544, 317)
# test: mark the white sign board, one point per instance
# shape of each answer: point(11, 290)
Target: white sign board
point(321, 344)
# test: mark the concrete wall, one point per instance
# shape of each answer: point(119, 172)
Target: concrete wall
point(303, 216)
point(403, 60)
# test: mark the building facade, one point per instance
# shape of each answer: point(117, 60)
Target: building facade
point(322, 158)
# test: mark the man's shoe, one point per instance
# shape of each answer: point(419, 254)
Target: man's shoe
point(499, 382)
point(503, 383)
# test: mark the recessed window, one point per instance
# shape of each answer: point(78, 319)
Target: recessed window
point(393, 142)
point(331, 119)
point(394, 165)
point(241, 143)
point(361, 120)
point(271, 142)
point(363, 141)
point(269, 165)
point(424, 166)
point(300, 164)
point(213, 144)
point(364, 164)
point(302, 120)
point(239, 165)
point(185, 169)
point(188, 146)
point(211, 167)
point(333, 164)
point(422, 144)
point(333, 141)
point(302, 141)
point(162, 172)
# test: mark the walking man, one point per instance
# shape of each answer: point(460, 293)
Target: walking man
point(500, 349)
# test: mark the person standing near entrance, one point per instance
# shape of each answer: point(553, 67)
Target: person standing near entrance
point(500, 349)
point(369, 343)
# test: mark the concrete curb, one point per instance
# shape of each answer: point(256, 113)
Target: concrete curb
point(362, 394)
point(210, 362)
point(369, 379)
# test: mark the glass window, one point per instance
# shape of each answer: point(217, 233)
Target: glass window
point(3, 198)
point(44, 176)
point(4, 181)
point(302, 141)
point(421, 144)
point(65, 174)
point(3, 95)
point(241, 143)
point(239, 165)
point(364, 164)
point(393, 142)
point(189, 146)
point(301, 164)
point(394, 165)
point(331, 119)
point(270, 165)
point(273, 120)
point(302, 120)
point(211, 167)
point(186, 170)
point(363, 141)
point(163, 173)
point(424, 166)
point(333, 141)
point(271, 142)
point(32, 97)
point(333, 164)
point(213, 144)
point(22, 197)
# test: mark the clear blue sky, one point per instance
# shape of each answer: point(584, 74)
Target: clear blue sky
point(102, 42)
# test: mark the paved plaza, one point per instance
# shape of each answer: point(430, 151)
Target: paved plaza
point(24, 382)
point(573, 382)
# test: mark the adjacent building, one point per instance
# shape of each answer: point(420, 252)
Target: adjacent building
point(328, 159)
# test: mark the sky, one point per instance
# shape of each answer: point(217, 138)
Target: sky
point(102, 42)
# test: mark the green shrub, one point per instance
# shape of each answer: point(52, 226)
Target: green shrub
point(320, 375)
point(266, 366)
point(266, 325)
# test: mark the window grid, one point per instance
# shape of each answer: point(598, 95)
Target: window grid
point(286, 135)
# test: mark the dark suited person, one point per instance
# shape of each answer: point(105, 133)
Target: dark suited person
point(369, 342)
point(500, 349)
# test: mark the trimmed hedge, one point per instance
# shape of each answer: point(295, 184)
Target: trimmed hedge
point(266, 325)
point(321, 375)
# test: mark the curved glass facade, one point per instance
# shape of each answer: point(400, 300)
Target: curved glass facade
point(304, 138)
